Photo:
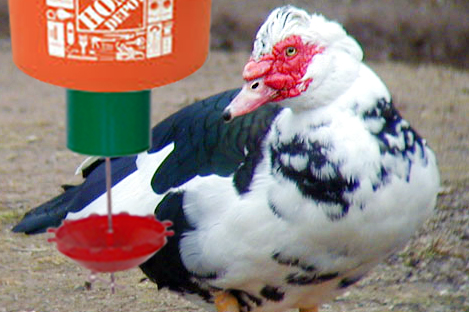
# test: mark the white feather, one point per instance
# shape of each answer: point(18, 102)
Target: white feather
point(86, 163)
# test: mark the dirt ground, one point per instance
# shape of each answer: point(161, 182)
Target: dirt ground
point(430, 274)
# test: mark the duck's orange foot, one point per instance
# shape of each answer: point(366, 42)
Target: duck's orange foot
point(226, 302)
point(313, 309)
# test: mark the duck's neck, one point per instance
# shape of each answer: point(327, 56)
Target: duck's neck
point(359, 93)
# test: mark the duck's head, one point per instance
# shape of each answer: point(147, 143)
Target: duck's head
point(298, 60)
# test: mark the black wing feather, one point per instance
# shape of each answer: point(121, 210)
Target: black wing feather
point(205, 144)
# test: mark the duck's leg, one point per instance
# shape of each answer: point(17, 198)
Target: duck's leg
point(313, 309)
point(226, 302)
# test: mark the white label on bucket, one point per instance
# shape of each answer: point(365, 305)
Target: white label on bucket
point(66, 4)
point(56, 36)
point(110, 30)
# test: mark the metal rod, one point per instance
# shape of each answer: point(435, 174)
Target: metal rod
point(108, 193)
point(113, 283)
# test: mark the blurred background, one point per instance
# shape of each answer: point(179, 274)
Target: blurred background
point(418, 31)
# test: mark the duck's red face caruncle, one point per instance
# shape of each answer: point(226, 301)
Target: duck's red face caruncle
point(274, 77)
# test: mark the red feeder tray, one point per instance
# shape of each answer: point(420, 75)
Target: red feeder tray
point(134, 240)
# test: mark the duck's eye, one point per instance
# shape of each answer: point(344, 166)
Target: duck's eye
point(290, 51)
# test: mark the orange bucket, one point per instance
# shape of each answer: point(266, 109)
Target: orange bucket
point(109, 45)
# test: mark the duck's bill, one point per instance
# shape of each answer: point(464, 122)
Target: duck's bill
point(253, 95)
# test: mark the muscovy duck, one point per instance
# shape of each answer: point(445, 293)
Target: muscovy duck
point(282, 194)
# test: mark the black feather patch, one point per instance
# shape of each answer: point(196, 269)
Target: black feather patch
point(274, 209)
point(320, 179)
point(395, 129)
point(348, 281)
point(272, 293)
point(245, 300)
point(302, 279)
point(293, 262)
point(251, 132)
point(394, 126)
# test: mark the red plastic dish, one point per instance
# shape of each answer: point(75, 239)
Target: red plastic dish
point(133, 241)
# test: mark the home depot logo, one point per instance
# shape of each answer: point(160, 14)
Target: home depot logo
point(110, 15)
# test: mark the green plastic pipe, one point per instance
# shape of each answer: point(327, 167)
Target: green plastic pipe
point(108, 124)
